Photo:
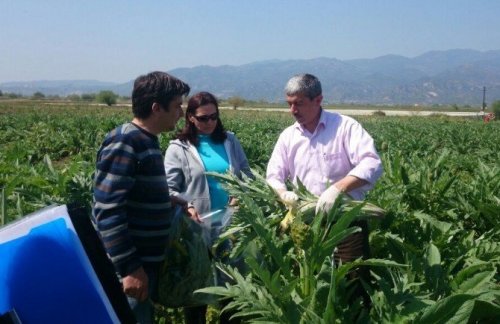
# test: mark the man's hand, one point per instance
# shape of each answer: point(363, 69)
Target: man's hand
point(289, 197)
point(327, 199)
point(135, 285)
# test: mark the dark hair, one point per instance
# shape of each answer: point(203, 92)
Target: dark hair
point(190, 132)
point(154, 87)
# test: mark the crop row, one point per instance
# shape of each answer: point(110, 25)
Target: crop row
point(440, 190)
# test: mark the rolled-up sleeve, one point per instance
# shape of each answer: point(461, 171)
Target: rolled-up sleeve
point(363, 155)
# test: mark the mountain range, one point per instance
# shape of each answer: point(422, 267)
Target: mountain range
point(438, 77)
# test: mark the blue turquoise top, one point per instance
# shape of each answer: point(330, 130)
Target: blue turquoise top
point(215, 159)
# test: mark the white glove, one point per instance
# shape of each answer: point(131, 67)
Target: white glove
point(289, 197)
point(327, 199)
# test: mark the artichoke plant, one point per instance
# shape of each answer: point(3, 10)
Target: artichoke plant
point(291, 276)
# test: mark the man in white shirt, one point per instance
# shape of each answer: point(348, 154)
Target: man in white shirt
point(329, 153)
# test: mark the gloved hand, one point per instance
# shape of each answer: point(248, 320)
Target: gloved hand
point(289, 197)
point(327, 199)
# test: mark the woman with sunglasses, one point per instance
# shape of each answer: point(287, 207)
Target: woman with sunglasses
point(204, 146)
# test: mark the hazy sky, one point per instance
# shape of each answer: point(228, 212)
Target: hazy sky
point(111, 40)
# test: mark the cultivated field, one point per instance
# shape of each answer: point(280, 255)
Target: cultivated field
point(437, 250)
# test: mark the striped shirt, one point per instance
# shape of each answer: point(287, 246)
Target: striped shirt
point(132, 209)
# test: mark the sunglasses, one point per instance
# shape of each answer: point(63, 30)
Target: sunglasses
point(206, 118)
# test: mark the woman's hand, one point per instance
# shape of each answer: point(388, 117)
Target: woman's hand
point(193, 214)
point(233, 202)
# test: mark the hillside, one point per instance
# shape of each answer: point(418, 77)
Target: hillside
point(437, 77)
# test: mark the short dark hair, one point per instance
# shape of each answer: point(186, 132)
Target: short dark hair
point(190, 132)
point(154, 87)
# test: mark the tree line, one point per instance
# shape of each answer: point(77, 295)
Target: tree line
point(105, 97)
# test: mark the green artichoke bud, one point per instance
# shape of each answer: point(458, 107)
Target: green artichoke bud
point(301, 234)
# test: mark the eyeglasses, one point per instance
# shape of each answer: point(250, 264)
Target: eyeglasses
point(206, 118)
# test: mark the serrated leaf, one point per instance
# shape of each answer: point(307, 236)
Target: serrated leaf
point(485, 310)
point(439, 225)
point(446, 309)
point(477, 282)
point(466, 273)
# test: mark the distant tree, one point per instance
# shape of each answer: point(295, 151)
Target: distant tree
point(236, 102)
point(88, 96)
point(13, 95)
point(379, 113)
point(73, 97)
point(38, 95)
point(1, 93)
point(107, 97)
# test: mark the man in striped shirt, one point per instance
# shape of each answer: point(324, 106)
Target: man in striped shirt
point(132, 207)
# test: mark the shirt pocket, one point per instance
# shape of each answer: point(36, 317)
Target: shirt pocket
point(336, 165)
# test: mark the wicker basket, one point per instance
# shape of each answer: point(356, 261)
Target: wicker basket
point(354, 246)
point(351, 248)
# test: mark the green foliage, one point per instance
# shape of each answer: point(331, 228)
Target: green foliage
point(291, 278)
point(268, 125)
point(73, 97)
point(3, 211)
point(188, 266)
point(495, 106)
point(88, 96)
point(379, 113)
point(38, 95)
point(440, 190)
point(52, 157)
point(107, 97)
point(12, 95)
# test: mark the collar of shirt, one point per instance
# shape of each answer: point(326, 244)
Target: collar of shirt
point(322, 123)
